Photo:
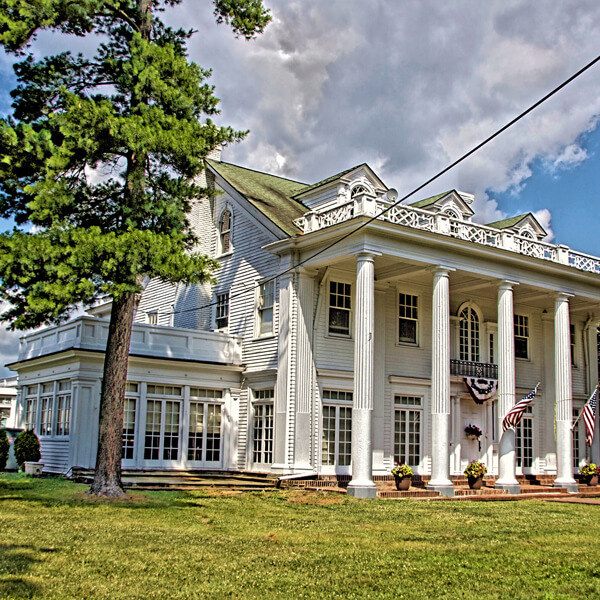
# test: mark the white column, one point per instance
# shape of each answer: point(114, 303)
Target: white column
point(506, 387)
point(564, 395)
point(362, 484)
point(440, 384)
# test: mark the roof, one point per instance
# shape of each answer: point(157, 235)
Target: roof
point(429, 201)
point(329, 179)
point(270, 194)
point(506, 223)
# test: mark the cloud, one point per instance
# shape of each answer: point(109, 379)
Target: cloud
point(544, 218)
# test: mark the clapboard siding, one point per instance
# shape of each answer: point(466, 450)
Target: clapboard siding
point(55, 455)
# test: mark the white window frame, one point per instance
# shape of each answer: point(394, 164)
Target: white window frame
point(573, 347)
point(409, 407)
point(132, 393)
point(163, 393)
point(350, 296)
point(470, 307)
point(218, 305)
point(221, 250)
point(345, 402)
point(521, 326)
point(261, 309)
point(63, 408)
point(416, 320)
point(46, 421)
point(262, 401)
point(207, 397)
point(152, 317)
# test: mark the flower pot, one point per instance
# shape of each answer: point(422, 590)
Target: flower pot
point(591, 480)
point(402, 483)
point(475, 483)
point(34, 468)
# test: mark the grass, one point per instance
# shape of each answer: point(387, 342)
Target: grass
point(57, 543)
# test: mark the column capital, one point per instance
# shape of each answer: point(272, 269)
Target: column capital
point(562, 297)
point(441, 270)
point(365, 253)
point(307, 271)
point(507, 284)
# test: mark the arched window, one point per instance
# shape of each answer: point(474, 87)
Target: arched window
point(357, 190)
point(225, 232)
point(450, 212)
point(527, 233)
point(469, 334)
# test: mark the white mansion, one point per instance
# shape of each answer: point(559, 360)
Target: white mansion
point(347, 363)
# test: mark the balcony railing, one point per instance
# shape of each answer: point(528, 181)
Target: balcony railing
point(466, 368)
point(418, 218)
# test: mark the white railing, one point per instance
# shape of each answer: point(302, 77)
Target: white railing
point(90, 333)
point(418, 218)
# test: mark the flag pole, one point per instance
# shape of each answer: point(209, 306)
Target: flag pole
point(581, 412)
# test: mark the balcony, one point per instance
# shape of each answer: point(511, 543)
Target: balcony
point(466, 368)
point(153, 341)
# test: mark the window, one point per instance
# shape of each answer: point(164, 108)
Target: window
point(162, 429)
point(576, 453)
point(521, 336)
point(524, 439)
point(263, 427)
point(358, 190)
point(225, 232)
point(573, 345)
point(336, 438)
point(204, 437)
point(129, 428)
point(469, 335)
point(164, 390)
point(339, 308)
point(491, 353)
point(46, 416)
point(266, 299)
point(63, 408)
point(408, 314)
point(222, 311)
point(494, 420)
point(152, 317)
point(407, 429)
point(31, 405)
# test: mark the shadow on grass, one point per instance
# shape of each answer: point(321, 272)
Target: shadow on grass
point(15, 562)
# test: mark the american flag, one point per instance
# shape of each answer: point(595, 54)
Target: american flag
point(589, 417)
point(513, 416)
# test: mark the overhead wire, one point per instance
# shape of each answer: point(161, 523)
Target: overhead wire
point(399, 201)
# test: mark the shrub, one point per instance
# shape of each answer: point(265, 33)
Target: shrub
point(27, 448)
point(4, 448)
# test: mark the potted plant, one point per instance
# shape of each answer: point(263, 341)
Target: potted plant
point(590, 473)
point(473, 432)
point(402, 474)
point(475, 472)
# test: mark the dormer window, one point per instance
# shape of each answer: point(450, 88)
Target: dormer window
point(358, 190)
point(225, 232)
point(527, 233)
point(450, 212)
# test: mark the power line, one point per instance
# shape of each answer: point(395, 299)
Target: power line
point(414, 191)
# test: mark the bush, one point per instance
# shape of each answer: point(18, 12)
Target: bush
point(27, 448)
point(4, 448)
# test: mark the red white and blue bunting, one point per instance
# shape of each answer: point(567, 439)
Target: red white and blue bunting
point(481, 389)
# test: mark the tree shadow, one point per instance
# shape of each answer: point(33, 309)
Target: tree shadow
point(15, 562)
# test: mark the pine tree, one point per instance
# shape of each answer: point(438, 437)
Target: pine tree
point(97, 168)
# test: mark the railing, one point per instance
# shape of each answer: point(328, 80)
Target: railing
point(466, 368)
point(91, 333)
point(425, 220)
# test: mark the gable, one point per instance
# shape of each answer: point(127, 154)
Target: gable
point(525, 224)
point(452, 202)
point(271, 195)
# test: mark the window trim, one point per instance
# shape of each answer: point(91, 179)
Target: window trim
point(333, 334)
point(419, 407)
point(221, 232)
point(259, 400)
point(481, 331)
point(527, 337)
point(399, 342)
point(227, 305)
point(259, 310)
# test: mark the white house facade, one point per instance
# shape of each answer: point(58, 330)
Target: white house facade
point(337, 340)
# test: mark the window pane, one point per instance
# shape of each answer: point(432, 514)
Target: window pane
point(129, 428)
point(171, 435)
point(152, 437)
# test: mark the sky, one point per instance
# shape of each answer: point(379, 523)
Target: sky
point(408, 87)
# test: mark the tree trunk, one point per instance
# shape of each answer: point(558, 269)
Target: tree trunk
point(107, 477)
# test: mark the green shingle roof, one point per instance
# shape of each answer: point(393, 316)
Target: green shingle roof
point(329, 179)
point(429, 201)
point(270, 194)
point(506, 223)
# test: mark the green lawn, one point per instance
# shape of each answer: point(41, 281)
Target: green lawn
point(55, 543)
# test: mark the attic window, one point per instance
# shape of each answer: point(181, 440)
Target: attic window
point(450, 212)
point(527, 233)
point(358, 190)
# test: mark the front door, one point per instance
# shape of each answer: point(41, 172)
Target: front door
point(472, 448)
point(524, 443)
point(336, 439)
point(204, 436)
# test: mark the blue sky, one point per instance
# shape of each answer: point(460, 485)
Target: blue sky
point(408, 87)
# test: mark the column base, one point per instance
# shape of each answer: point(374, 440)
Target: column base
point(361, 490)
point(443, 489)
point(570, 486)
point(514, 489)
